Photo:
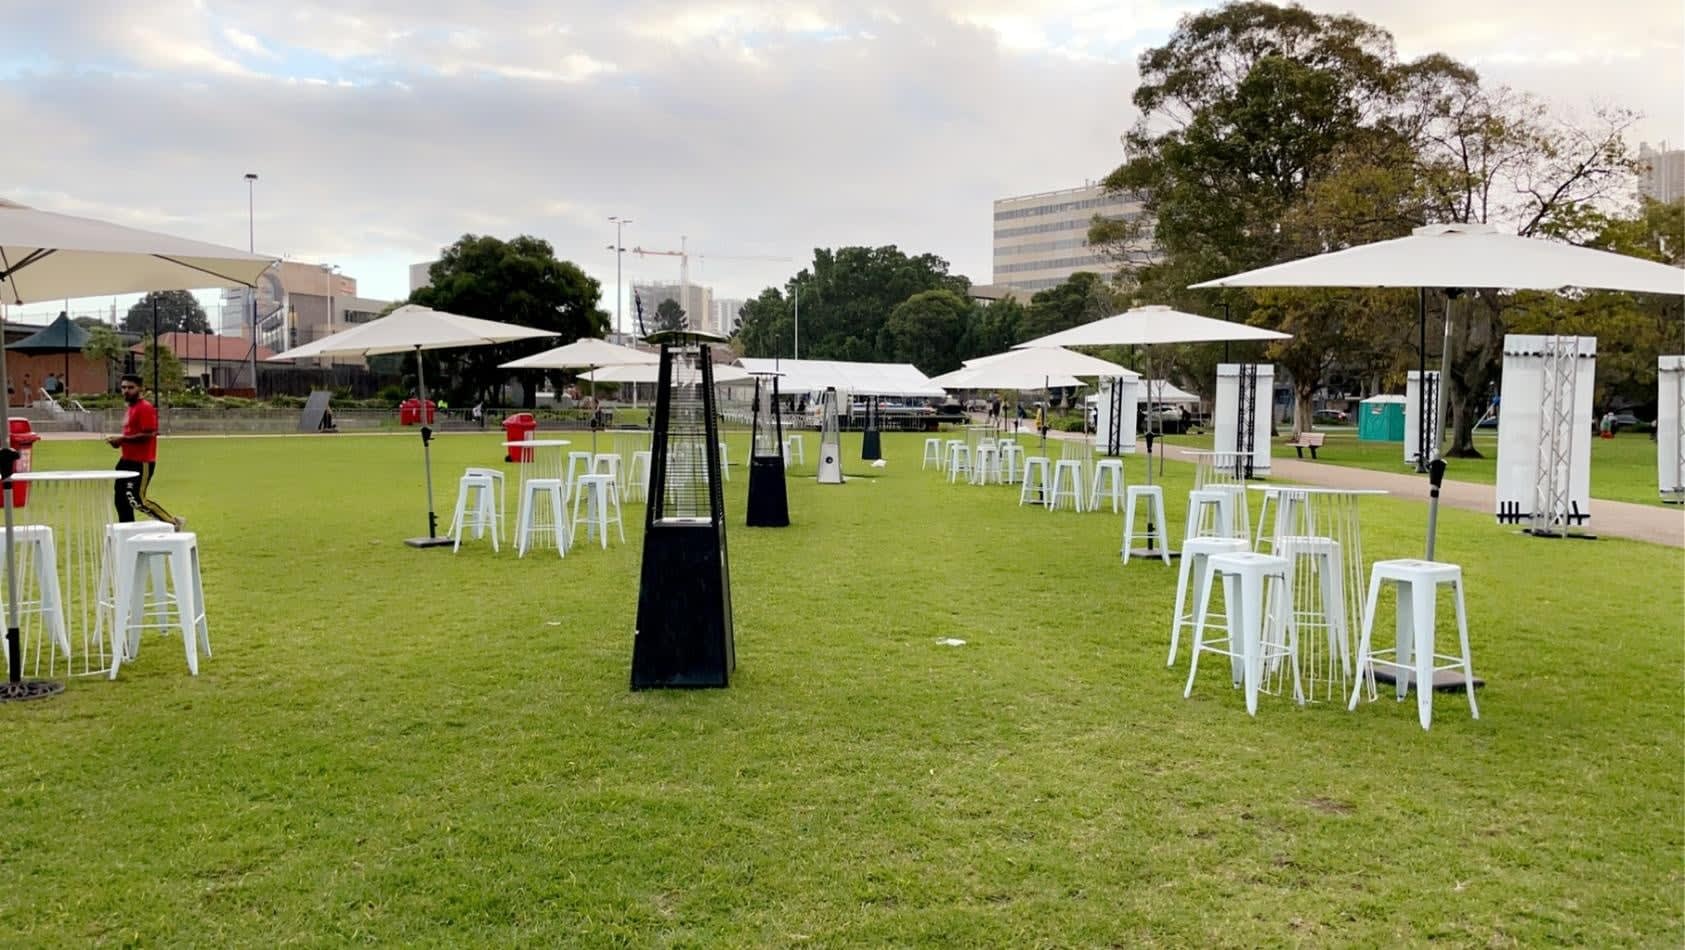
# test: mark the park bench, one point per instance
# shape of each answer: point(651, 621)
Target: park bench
point(1307, 440)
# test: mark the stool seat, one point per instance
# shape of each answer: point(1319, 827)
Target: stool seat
point(1413, 653)
point(180, 551)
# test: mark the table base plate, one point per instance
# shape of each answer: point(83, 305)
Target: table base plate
point(427, 542)
point(29, 689)
point(1444, 681)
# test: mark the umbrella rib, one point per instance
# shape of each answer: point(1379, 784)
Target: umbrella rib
point(203, 270)
point(7, 270)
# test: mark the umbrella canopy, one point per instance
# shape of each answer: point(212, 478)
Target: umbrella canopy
point(1050, 360)
point(650, 373)
point(1466, 256)
point(584, 353)
point(412, 327)
point(47, 256)
point(60, 336)
point(1003, 377)
point(860, 379)
point(1147, 326)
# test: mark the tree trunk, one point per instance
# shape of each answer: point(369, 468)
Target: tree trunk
point(1475, 345)
point(1302, 393)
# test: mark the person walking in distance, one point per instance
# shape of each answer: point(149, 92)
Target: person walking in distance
point(138, 448)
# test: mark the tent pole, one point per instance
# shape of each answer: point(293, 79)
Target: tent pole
point(426, 446)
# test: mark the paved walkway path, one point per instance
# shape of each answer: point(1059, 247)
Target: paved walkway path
point(1616, 519)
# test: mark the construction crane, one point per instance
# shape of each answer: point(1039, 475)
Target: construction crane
point(684, 256)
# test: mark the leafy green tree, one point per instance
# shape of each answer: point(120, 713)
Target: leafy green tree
point(170, 378)
point(516, 281)
point(670, 316)
point(105, 346)
point(178, 310)
point(994, 328)
point(927, 330)
point(1083, 298)
point(843, 302)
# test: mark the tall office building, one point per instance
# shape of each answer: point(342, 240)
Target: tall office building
point(725, 315)
point(1042, 239)
point(418, 275)
point(1661, 173)
point(698, 307)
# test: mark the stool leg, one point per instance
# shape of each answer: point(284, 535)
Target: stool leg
point(200, 613)
point(619, 522)
point(1423, 595)
point(1283, 612)
point(1189, 565)
point(52, 605)
point(1163, 534)
point(558, 513)
point(599, 499)
point(1334, 610)
point(1405, 627)
point(456, 517)
point(1199, 635)
point(1463, 638)
point(1365, 667)
point(186, 609)
point(1128, 525)
point(523, 522)
point(1250, 611)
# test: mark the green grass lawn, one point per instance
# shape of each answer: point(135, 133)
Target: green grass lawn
point(393, 745)
point(1622, 468)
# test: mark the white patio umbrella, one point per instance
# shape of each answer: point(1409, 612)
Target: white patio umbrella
point(1150, 326)
point(1049, 362)
point(1463, 257)
point(416, 328)
point(651, 372)
point(46, 256)
point(590, 354)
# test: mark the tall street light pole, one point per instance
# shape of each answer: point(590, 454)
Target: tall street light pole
point(619, 249)
point(251, 246)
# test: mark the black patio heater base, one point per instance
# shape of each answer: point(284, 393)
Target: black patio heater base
point(29, 689)
point(769, 499)
point(871, 446)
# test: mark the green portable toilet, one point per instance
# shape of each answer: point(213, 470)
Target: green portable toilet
point(1381, 419)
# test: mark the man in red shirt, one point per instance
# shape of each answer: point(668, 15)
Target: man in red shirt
point(138, 448)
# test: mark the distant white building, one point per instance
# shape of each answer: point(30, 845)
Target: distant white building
point(725, 315)
point(1661, 173)
point(698, 305)
point(1040, 240)
point(418, 275)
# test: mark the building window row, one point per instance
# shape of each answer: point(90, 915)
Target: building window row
point(1056, 263)
point(1120, 200)
point(1062, 245)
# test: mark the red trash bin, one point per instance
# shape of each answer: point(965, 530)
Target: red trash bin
point(409, 412)
point(23, 439)
point(517, 428)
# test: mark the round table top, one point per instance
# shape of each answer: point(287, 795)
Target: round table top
point(1317, 489)
point(536, 444)
point(75, 475)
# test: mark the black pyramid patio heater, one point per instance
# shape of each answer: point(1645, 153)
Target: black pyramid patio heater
point(684, 634)
point(871, 443)
point(769, 502)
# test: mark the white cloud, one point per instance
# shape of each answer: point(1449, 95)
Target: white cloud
point(385, 128)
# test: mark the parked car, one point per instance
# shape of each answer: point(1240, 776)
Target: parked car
point(1165, 417)
point(1330, 417)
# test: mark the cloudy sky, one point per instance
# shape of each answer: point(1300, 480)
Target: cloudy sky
point(382, 129)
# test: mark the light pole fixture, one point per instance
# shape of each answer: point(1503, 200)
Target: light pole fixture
point(618, 249)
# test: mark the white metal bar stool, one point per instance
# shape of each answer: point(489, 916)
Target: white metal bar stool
point(1011, 460)
point(1247, 579)
point(794, 449)
point(1067, 485)
point(1110, 471)
point(496, 476)
point(476, 510)
point(1315, 574)
point(180, 550)
point(600, 496)
point(959, 460)
point(1219, 505)
point(1241, 508)
point(115, 565)
point(932, 454)
point(1037, 476)
point(1414, 661)
point(988, 463)
point(1195, 551)
point(579, 465)
point(1157, 533)
point(607, 463)
point(725, 462)
point(33, 544)
point(637, 480)
point(531, 522)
